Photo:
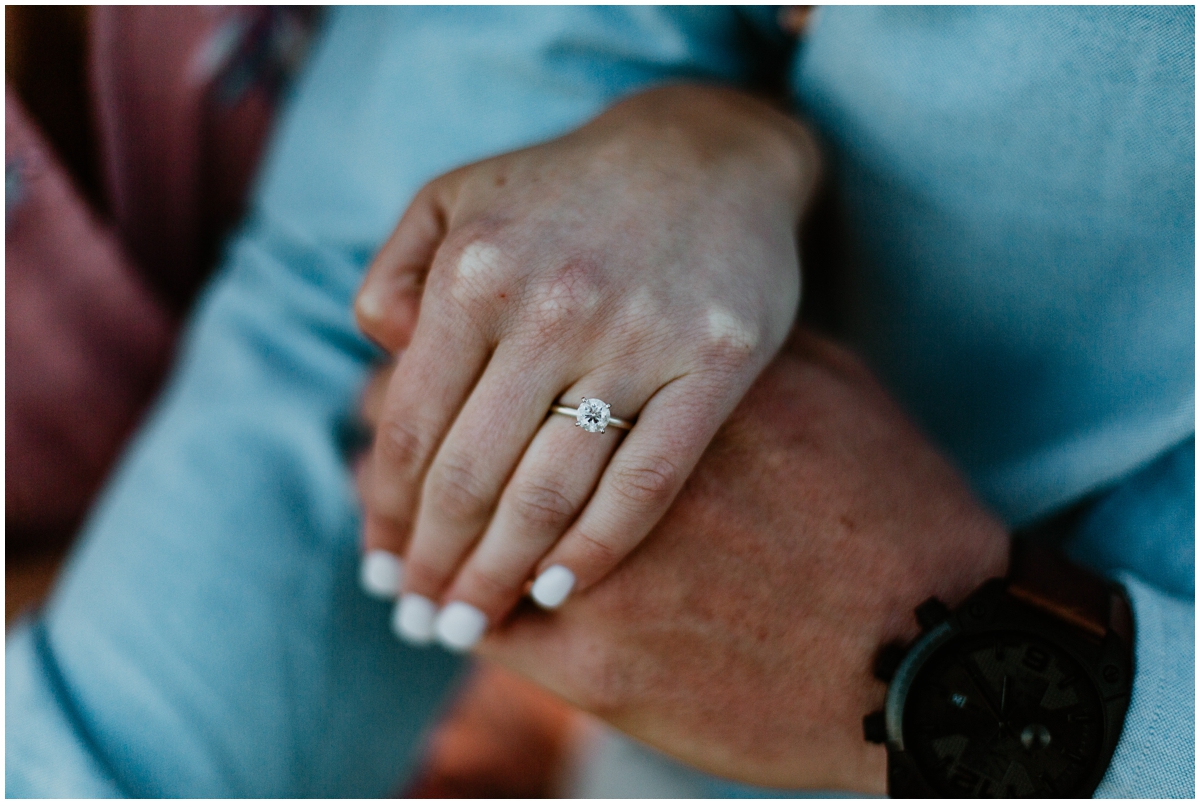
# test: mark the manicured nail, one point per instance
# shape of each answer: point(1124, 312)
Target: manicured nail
point(380, 573)
point(552, 587)
point(412, 619)
point(460, 625)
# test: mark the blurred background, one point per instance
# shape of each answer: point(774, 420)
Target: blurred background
point(132, 135)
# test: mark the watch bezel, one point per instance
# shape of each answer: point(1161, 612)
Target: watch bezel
point(991, 609)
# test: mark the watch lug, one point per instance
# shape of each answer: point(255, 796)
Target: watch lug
point(887, 661)
point(931, 614)
point(874, 728)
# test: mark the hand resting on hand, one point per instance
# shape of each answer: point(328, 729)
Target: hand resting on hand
point(739, 636)
point(647, 259)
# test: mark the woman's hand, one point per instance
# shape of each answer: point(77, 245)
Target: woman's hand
point(648, 259)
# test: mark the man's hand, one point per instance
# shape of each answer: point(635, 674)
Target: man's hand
point(647, 259)
point(740, 635)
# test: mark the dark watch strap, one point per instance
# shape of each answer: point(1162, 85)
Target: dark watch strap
point(1045, 579)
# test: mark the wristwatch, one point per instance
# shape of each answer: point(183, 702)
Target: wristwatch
point(1019, 691)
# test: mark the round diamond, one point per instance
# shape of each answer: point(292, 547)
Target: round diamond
point(592, 415)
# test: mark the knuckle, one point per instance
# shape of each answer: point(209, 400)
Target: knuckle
point(650, 483)
point(426, 195)
point(559, 304)
point(485, 585)
point(401, 443)
point(599, 551)
point(641, 315)
point(543, 504)
point(726, 343)
point(455, 490)
point(422, 576)
point(474, 273)
point(720, 362)
point(728, 331)
point(724, 355)
point(430, 190)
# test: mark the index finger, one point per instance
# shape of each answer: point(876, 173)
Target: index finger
point(431, 382)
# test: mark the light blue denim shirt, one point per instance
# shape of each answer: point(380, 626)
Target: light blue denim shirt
point(1015, 194)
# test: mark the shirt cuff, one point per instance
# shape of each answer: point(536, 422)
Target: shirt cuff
point(1156, 755)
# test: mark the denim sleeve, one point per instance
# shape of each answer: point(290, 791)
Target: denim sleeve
point(207, 637)
point(1142, 533)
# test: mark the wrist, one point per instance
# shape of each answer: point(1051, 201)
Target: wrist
point(729, 134)
point(1028, 679)
point(951, 570)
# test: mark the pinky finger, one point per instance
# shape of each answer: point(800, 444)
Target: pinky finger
point(636, 489)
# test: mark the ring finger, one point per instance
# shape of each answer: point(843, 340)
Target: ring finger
point(552, 483)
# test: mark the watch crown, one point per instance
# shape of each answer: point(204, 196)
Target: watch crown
point(875, 728)
point(887, 661)
point(931, 613)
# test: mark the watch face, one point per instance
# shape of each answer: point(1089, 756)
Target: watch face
point(1003, 714)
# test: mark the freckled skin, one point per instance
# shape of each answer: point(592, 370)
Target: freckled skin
point(739, 637)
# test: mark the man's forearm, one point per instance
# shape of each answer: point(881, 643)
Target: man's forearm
point(740, 636)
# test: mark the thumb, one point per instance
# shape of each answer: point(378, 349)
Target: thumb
point(389, 299)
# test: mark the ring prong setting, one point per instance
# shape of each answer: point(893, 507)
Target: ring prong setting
point(592, 416)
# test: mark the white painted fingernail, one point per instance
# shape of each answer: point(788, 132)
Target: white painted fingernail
point(380, 573)
point(552, 587)
point(412, 619)
point(460, 625)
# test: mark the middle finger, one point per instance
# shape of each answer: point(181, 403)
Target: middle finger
point(550, 486)
point(554, 480)
point(468, 472)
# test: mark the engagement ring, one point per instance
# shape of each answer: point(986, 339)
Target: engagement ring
point(593, 415)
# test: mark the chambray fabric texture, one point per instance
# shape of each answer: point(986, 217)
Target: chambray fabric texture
point(1015, 189)
point(1016, 193)
point(208, 637)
